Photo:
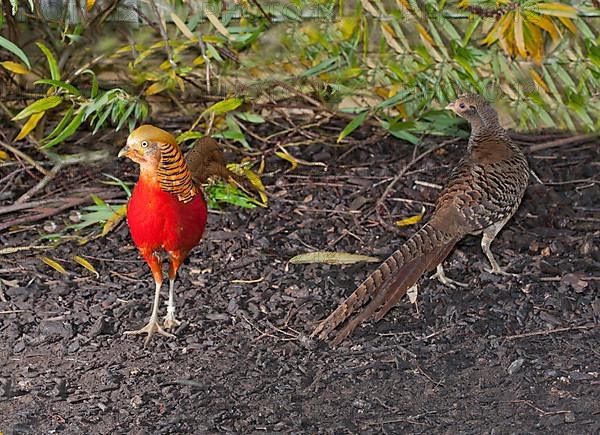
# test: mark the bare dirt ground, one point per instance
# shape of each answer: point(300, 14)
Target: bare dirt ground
point(506, 355)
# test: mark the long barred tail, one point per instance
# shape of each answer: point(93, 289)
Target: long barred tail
point(386, 285)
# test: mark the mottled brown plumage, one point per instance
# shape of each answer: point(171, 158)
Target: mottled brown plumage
point(483, 191)
point(206, 160)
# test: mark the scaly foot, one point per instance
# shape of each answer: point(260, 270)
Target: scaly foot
point(441, 276)
point(170, 321)
point(151, 328)
point(497, 270)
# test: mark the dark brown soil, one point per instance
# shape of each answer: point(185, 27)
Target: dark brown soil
point(507, 355)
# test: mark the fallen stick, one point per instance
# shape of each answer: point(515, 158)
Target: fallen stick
point(49, 211)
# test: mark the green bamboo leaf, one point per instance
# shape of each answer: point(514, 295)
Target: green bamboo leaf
point(223, 106)
point(353, 125)
point(52, 64)
point(326, 65)
point(68, 131)
point(400, 131)
point(250, 117)
point(37, 106)
point(61, 125)
point(126, 115)
point(10, 46)
point(400, 97)
point(59, 84)
point(94, 90)
point(188, 135)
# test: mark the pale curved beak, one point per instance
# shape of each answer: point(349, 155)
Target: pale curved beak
point(450, 106)
point(124, 151)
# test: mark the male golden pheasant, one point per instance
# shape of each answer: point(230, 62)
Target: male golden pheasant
point(167, 213)
point(481, 195)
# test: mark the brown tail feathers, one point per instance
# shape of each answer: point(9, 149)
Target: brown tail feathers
point(206, 160)
point(386, 285)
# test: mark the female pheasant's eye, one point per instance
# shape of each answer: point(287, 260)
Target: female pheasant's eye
point(461, 105)
point(144, 144)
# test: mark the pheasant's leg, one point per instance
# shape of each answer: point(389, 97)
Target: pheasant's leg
point(489, 234)
point(441, 276)
point(175, 261)
point(170, 320)
point(153, 327)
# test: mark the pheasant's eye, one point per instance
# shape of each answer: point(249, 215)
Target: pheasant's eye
point(144, 144)
point(461, 105)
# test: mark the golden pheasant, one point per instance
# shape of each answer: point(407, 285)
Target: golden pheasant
point(167, 212)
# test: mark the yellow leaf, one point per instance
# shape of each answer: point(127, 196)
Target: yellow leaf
point(546, 24)
point(182, 26)
point(493, 34)
point(30, 125)
point(261, 167)
point(216, 23)
point(346, 26)
point(285, 155)
point(404, 3)
point(114, 220)
point(538, 80)
point(331, 258)
point(370, 8)
point(86, 264)
point(3, 156)
point(410, 220)
point(556, 9)
point(519, 38)
point(390, 37)
point(89, 4)
point(53, 264)
point(568, 24)
point(155, 88)
point(535, 42)
point(16, 67)
point(256, 182)
point(424, 34)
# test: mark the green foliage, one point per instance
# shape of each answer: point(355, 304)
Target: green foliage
point(392, 64)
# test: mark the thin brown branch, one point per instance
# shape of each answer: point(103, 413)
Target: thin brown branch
point(41, 184)
point(262, 11)
point(25, 157)
point(52, 211)
point(571, 140)
point(551, 331)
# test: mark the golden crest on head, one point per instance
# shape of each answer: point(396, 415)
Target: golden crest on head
point(150, 133)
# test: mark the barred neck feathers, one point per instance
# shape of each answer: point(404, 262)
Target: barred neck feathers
point(173, 173)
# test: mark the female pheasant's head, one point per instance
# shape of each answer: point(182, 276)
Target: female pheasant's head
point(475, 109)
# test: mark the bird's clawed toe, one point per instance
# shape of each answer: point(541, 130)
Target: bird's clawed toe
point(499, 271)
point(170, 322)
point(151, 328)
point(449, 282)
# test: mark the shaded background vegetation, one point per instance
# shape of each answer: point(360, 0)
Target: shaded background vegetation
point(224, 67)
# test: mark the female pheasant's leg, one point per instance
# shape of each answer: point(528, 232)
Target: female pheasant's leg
point(175, 261)
point(441, 276)
point(153, 326)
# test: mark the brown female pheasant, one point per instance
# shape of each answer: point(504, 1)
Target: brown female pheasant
point(481, 195)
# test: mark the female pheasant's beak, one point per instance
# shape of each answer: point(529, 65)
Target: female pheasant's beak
point(451, 106)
